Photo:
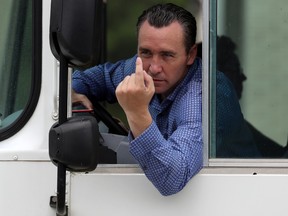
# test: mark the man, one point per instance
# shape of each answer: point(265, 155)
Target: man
point(160, 93)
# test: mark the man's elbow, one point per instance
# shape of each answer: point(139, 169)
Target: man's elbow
point(168, 191)
point(174, 186)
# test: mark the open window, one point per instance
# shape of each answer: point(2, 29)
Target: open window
point(120, 42)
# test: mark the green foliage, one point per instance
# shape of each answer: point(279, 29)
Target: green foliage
point(121, 19)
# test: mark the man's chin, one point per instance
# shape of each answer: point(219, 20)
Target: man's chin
point(160, 91)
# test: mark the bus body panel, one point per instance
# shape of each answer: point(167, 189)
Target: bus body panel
point(128, 194)
point(26, 186)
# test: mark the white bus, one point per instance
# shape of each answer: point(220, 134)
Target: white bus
point(254, 31)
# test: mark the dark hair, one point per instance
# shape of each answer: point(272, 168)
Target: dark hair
point(161, 15)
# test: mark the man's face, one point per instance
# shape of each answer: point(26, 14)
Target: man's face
point(164, 57)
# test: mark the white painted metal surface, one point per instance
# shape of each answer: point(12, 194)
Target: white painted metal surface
point(129, 194)
point(25, 188)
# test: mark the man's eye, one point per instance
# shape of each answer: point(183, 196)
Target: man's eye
point(145, 53)
point(167, 55)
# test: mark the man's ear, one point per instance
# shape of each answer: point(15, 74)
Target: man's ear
point(192, 55)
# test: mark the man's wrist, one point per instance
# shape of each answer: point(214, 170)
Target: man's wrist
point(139, 122)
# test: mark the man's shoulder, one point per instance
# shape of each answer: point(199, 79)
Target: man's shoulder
point(196, 70)
point(194, 82)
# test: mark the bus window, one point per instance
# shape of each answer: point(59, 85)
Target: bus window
point(251, 52)
point(16, 65)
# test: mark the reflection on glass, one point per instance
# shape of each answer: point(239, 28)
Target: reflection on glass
point(15, 58)
point(254, 44)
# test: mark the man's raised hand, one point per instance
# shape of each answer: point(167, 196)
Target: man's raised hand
point(134, 94)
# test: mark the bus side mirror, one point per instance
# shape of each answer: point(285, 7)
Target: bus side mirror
point(75, 144)
point(75, 31)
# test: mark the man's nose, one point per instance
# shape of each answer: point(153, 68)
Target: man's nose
point(155, 66)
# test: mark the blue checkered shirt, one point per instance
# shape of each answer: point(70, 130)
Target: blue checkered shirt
point(170, 150)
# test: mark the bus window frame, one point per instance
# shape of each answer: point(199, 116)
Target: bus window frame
point(35, 88)
point(209, 100)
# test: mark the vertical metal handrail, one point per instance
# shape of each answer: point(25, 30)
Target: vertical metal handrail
point(61, 169)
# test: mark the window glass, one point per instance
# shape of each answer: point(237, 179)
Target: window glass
point(252, 54)
point(15, 59)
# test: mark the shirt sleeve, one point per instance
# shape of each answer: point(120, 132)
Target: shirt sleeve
point(170, 163)
point(100, 82)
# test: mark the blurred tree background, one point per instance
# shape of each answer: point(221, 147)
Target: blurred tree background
point(122, 16)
